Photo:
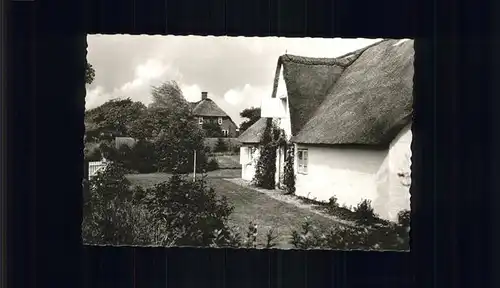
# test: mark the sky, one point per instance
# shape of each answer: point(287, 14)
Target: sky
point(235, 71)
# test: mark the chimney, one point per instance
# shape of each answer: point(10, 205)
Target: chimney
point(204, 95)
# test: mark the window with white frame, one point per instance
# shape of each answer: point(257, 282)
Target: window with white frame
point(200, 120)
point(225, 133)
point(302, 158)
point(219, 120)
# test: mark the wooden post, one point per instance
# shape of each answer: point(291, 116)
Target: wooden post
point(194, 169)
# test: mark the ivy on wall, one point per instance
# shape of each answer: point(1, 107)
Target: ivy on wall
point(265, 170)
point(288, 173)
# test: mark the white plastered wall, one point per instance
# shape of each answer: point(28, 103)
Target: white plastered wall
point(352, 175)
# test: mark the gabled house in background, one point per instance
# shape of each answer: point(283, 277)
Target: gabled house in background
point(349, 119)
point(206, 110)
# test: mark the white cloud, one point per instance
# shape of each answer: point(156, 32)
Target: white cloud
point(147, 74)
point(192, 93)
point(248, 94)
point(94, 97)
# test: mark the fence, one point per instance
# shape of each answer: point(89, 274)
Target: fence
point(214, 154)
point(95, 167)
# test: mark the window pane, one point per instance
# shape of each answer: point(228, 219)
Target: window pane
point(305, 155)
point(300, 155)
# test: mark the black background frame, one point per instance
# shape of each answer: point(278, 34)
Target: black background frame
point(453, 163)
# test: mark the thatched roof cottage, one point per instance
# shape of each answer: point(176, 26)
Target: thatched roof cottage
point(349, 119)
point(206, 110)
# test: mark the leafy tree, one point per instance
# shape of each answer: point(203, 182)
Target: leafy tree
point(252, 114)
point(175, 145)
point(113, 118)
point(89, 73)
point(212, 129)
point(169, 95)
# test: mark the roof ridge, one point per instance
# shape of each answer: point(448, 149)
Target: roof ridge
point(327, 60)
point(358, 54)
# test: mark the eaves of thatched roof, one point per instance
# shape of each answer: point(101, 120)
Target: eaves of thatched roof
point(364, 97)
point(253, 134)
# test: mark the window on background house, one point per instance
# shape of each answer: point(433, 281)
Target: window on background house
point(200, 120)
point(225, 133)
point(219, 120)
point(302, 161)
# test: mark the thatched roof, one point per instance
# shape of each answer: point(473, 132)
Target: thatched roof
point(370, 102)
point(253, 133)
point(364, 97)
point(207, 108)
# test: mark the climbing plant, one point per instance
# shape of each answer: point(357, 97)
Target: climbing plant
point(289, 175)
point(265, 170)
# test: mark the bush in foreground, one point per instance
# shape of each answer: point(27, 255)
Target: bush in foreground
point(110, 215)
point(387, 237)
point(178, 212)
point(187, 213)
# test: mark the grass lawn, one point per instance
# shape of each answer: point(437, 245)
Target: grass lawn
point(148, 180)
point(266, 212)
point(228, 161)
point(250, 206)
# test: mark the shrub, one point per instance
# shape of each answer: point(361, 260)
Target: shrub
point(212, 165)
point(270, 239)
point(404, 218)
point(289, 174)
point(236, 149)
point(144, 157)
point(92, 154)
point(175, 149)
point(109, 214)
point(221, 146)
point(265, 170)
point(141, 158)
point(251, 237)
point(333, 206)
point(347, 237)
point(364, 213)
point(178, 212)
point(333, 202)
point(188, 213)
